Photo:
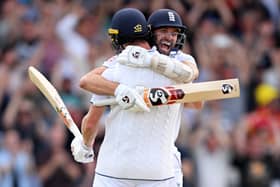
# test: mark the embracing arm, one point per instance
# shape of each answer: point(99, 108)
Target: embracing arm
point(95, 83)
point(199, 104)
point(172, 68)
point(193, 67)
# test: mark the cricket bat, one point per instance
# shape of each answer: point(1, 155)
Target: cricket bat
point(49, 91)
point(186, 93)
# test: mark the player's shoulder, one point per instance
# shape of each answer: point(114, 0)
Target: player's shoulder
point(181, 56)
point(153, 50)
point(110, 62)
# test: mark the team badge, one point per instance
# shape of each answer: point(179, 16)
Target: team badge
point(171, 16)
point(136, 54)
point(138, 28)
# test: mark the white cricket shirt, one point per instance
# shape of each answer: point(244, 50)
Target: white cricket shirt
point(138, 145)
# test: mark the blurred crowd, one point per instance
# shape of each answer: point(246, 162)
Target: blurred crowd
point(230, 143)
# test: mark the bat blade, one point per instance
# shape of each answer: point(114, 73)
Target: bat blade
point(49, 91)
point(186, 93)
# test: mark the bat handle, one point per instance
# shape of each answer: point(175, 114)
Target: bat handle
point(74, 129)
point(68, 121)
point(104, 102)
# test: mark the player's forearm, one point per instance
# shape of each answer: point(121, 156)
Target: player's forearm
point(194, 68)
point(173, 68)
point(98, 85)
point(162, 64)
point(95, 83)
point(90, 124)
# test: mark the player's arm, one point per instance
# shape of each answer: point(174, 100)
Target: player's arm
point(95, 83)
point(90, 123)
point(81, 147)
point(193, 66)
point(173, 69)
point(199, 104)
point(139, 57)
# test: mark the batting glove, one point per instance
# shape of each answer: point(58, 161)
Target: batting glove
point(130, 99)
point(80, 151)
point(135, 56)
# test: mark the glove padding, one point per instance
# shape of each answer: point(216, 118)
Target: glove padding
point(130, 99)
point(80, 151)
point(135, 56)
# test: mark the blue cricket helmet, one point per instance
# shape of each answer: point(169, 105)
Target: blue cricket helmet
point(168, 18)
point(128, 25)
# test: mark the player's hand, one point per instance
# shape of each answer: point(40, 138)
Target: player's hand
point(130, 99)
point(80, 151)
point(135, 56)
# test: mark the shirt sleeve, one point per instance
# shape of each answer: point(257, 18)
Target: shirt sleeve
point(96, 97)
point(111, 62)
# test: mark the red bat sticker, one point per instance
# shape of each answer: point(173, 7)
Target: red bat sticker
point(165, 95)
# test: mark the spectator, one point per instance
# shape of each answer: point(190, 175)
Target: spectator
point(16, 163)
point(211, 152)
point(257, 141)
point(56, 166)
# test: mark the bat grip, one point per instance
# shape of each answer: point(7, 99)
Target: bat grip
point(74, 129)
point(104, 102)
point(69, 122)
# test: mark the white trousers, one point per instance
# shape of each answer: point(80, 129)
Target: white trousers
point(177, 165)
point(177, 181)
point(103, 181)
